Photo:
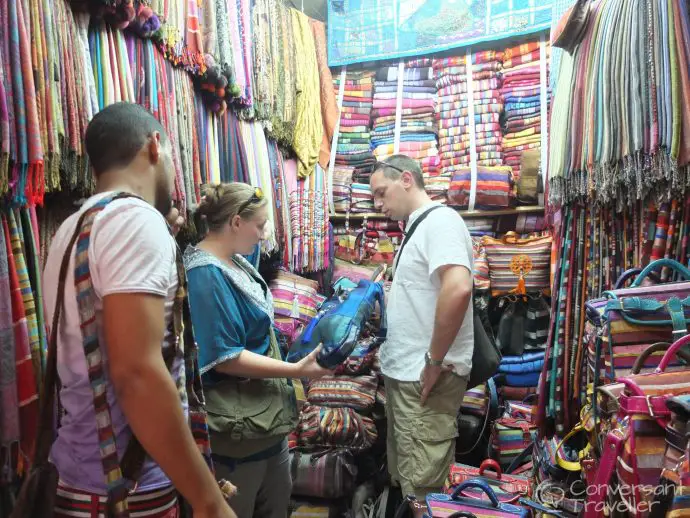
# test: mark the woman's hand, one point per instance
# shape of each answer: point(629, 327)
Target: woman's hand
point(309, 368)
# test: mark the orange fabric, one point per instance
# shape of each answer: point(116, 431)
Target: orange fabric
point(329, 105)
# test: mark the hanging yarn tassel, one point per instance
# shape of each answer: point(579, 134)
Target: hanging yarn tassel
point(146, 23)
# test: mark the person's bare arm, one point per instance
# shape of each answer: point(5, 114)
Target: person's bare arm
point(251, 365)
point(134, 331)
point(453, 300)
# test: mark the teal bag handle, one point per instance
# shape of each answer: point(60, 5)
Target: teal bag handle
point(661, 263)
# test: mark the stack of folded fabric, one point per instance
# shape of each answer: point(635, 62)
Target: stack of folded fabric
point(522, 95)
point(417, 126)
point(338, 431)
point(480, 227)
point(354, 140)
point(436, 187)
point(452, 110)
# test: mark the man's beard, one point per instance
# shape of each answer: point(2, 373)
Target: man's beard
point(163, 201)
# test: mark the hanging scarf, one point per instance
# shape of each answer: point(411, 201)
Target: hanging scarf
point(9, 402)
point(308, 124)
point(26, 375)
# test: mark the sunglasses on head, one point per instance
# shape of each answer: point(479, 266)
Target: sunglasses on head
point(256, 197)
point(379, 165)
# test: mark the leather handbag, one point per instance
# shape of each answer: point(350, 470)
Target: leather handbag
point(635, 449)
point(623, 322)
point(441, 505)
point(508, 488)
point(670, 482)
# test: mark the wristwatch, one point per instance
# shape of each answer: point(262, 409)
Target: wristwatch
point(429, 361)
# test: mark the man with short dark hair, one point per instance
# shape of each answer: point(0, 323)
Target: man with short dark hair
point(427, 357)
point(131, 258)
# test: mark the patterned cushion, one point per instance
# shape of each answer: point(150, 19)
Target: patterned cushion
point(323, 427)
point(512, 259)
point(356, 392)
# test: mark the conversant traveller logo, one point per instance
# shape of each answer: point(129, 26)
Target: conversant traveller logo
point(578, 497)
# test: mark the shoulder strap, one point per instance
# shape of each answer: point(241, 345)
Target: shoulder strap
point(411, 230)
point(46, 425)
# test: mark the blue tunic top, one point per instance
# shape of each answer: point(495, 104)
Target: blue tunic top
point(230, 312)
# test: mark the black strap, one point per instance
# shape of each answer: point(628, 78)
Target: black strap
point(409, 233)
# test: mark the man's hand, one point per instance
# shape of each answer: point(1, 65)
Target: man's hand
point(429, 377)
point(175, 220)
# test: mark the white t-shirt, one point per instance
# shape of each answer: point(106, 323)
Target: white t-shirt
point(131, 251)
point(441, 239)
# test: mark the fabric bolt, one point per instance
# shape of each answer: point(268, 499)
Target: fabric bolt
point(453, 115)
point(417, 135)
point(522, 93)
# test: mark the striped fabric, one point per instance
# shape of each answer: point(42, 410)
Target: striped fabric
point(356, 392)
point(295, 296)
point(323, 427)
point(639, 465)
point(494, 185)
point(514, 259)
point(362, 198)
point(475, 401)
point(512, 435)
point(73, 503)
point(627, 340)
point(117, 488)
point(328, 475)
point(342, 185)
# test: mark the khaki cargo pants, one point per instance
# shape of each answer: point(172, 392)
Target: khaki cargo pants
point(421, 439)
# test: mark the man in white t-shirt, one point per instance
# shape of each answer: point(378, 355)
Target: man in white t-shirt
point(134, 275)
point(427, 356)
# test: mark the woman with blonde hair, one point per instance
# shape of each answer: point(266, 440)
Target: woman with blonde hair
point(250, 401)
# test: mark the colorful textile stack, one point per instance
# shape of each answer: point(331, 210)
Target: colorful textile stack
point(522, 96)
point(417, 126)
point(338, 429)
point(296, 301)
point(354, 139)
point(437, 186)
point(453, 110)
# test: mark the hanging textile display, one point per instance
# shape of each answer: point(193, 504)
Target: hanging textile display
point(596, 245)
point(180, 38)
point(329, 107)
point(21, 345)
point(308, 216)
point(308, 130)
point(612, 141)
